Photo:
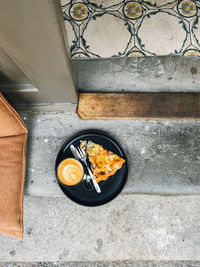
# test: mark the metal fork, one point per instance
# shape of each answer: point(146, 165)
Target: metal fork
point(87, 180)
point(82, 156)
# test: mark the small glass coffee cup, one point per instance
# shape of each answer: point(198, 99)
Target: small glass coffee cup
point(70, 172)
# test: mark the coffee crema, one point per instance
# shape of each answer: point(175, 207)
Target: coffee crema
point(70, 172)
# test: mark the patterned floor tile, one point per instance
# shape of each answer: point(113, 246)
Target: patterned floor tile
point(116, 28)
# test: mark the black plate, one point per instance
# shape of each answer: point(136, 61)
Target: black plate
point(109, 188)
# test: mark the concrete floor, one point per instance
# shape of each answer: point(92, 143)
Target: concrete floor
point(163, 155)
point(105, 264)
point(155, 218)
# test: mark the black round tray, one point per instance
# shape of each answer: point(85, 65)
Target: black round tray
point(109, 188)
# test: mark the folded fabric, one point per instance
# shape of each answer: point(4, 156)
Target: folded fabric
point(13, 138)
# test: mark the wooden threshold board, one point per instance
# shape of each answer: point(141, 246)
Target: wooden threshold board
point(137, 106)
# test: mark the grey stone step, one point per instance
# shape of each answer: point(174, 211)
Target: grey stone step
point(137, 74)
point(131, 227)
point(105, 264)
point(163, 156)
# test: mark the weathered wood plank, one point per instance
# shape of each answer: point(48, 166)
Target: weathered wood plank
point(113, 106)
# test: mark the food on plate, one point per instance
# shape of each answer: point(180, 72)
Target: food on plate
point(70, 172)
point(104, 163)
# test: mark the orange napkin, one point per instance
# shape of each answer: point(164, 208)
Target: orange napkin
point(13, 138)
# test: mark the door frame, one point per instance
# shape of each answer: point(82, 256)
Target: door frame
point(33, 35)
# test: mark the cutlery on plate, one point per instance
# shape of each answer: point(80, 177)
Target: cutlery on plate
point(83, 157)
point(87, 180)
point(73, 150)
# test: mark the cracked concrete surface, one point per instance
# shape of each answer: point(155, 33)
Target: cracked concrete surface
point(163, 156)
point(134, 229)
point(131, 227)
point(106, 264)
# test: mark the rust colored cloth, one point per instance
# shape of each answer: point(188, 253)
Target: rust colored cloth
point(13, 138)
